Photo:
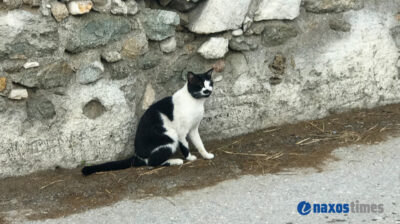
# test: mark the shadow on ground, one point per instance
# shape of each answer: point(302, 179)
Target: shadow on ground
point(308, 144)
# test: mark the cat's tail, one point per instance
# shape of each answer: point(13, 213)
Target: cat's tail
point(115, 165)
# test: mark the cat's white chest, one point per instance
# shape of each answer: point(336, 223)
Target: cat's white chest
point(188, 112)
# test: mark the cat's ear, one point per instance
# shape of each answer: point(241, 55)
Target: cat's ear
point(209, 73)
point(192, 78)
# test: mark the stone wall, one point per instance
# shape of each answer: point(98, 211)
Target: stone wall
point(75, 76)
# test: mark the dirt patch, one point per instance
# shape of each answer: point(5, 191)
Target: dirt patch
point(61, 192)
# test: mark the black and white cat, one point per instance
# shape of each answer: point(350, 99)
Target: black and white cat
point(165, 125)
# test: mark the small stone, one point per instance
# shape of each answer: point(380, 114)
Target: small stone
point(118, 7)
point(32, 64)
point(149, 97)
point(90, 73)
point(133, 8)
point(242, 44)
point(325, 6)
point(43, 8)
point(103, 6)
point(57, 74)
point(184, 20)
point(214, 48)
point(3, 83)
point(59, 11)
point(168, 45)
point(159, 24)
point(93, 109)
point(79, 7)
point(275, 81)
point(247, 23)
point(277, 33)
point(149, 60)
point(135, 45)
point(339, 25)
point(238, 63)
point(111, 56)
point(40, 108)
point(238, 32)
point(3, 104)
point(182, 5)
point(18, 94)
point(218, 78)
point(219, 66)
point(278, 65)
point(277, 9)
point(32, 3)
point(122, 69)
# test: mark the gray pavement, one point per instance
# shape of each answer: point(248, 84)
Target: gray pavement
point(369, 174)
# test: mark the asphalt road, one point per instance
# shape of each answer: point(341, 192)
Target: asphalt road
point(363, 175)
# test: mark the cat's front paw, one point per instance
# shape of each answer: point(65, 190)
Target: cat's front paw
point(208, 156)
point(191, 157)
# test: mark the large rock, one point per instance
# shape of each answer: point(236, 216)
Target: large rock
point(214, 48)
point(24, 34)
point(97, 31)
point(277, 9)
point(57, 74)
point(215, 16)
point(159, 24)
point(324, 6)
point(90, 73)
point(40, 108)
point(277, 33)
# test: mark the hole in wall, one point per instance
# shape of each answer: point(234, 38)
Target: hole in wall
point(93, 109)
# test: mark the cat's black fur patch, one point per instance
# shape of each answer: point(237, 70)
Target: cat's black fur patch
point(184, 150)
point(150, 131)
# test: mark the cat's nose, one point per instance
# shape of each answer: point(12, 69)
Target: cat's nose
point(207, 92)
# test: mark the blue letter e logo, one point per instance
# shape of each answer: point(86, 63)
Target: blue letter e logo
point(304, 208)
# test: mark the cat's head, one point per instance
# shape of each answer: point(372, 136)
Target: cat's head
point(200, 85)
